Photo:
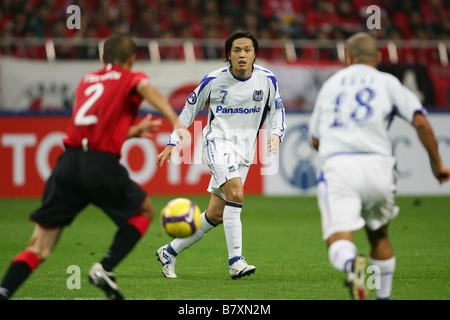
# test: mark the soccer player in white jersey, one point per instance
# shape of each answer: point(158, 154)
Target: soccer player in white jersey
point(356, 187)
point(240, 96)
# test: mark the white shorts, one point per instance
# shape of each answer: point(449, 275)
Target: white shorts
point(223, 164)
point(356, 190)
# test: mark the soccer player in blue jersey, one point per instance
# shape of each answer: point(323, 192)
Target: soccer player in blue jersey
point(357, 184)
point(240, 96)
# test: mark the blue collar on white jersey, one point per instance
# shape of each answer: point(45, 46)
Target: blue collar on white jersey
point(241, 79)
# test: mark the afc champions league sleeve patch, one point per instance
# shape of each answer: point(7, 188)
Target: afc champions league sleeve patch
point(192, 98)
point(279, 103)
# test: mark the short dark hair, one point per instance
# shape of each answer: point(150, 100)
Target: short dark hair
point(118, 48)
point(238, 35)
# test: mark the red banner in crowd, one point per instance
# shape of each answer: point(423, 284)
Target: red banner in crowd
point(30, 146)
point(440, 77)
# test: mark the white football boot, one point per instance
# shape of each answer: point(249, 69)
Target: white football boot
point(105, 281)
point(241, 269)
point(356, 280)
point(168, 262)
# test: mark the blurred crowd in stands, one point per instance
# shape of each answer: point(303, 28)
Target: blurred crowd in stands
point(216, 19)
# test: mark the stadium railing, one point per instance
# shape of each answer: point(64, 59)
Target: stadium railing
point(152, 48)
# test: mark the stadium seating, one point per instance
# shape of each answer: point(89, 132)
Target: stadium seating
point(413, 31)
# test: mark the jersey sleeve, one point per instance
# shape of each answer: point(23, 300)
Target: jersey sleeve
point(138, 77)
point(315, 117)
point(277, 112)
point(405, 101)
point(195, 103)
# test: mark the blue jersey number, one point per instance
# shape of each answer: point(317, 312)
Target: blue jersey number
point(360, 113)
point(225, 92)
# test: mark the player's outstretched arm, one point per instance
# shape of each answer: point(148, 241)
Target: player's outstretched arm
point(155, 98)
point(428, 140)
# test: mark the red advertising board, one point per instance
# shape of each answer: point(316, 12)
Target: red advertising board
point(30, 146)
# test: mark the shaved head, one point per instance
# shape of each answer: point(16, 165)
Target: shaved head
point(362, 48)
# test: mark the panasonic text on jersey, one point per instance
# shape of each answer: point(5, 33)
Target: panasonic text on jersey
point(237, 110)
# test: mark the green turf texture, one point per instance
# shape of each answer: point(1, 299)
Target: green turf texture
point(281, 237)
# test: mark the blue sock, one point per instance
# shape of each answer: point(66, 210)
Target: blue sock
point(348, 265)
point(233, 260)
point(171, 251)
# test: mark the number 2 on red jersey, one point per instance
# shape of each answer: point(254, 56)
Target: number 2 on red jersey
point(94, 91)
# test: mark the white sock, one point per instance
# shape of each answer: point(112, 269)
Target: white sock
point(180, 244)
point(233, 228)
point(340, 253)
point(387, 268)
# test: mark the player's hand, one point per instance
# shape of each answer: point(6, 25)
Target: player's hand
point(145, 127)
point(441, 173)
point(165, 155)
point(274, 144)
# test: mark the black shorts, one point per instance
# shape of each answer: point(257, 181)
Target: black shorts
point(88, 177)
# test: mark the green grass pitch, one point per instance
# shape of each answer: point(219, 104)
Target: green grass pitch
point(281, 236)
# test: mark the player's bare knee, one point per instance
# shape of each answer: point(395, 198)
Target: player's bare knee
point(234, 190)
point(39, 247)
point(236, 195)
point(43, 240)
point(147, 209)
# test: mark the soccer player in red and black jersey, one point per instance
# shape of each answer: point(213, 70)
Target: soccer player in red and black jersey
point(89, 172)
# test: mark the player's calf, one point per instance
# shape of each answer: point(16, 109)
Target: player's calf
point(125, 240)
point(20, 268)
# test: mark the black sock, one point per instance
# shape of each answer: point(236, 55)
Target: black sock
point(17, 273)
point(124, 241)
